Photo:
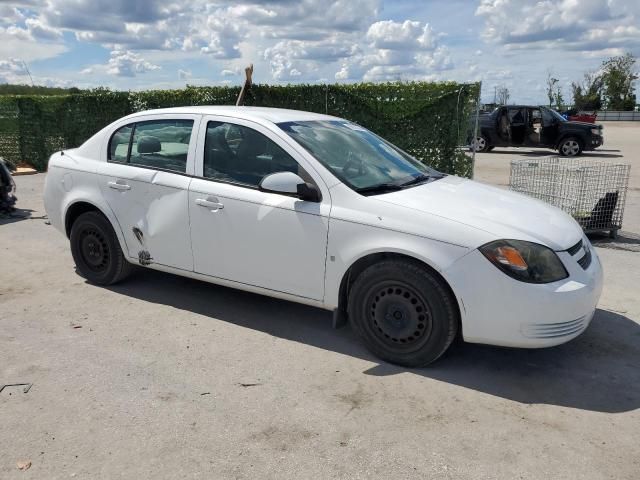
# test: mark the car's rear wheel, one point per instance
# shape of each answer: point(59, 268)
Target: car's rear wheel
point(480, 144)
point(403, 312)
point(96, 250)
point(570, 147)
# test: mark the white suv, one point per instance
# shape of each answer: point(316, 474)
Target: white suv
point(318, 210)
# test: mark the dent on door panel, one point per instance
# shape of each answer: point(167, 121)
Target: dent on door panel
point(152, 213)
point(165, 222)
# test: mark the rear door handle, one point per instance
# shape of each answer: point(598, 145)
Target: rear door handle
point(119, 186)
point(210, 202)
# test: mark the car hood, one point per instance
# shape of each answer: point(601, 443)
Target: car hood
point(500, 212)
point(573, 123)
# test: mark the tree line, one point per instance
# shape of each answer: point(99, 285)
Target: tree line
point(610, 87)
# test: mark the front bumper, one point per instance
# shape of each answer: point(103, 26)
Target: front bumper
point(498, 310)
point(595, 142)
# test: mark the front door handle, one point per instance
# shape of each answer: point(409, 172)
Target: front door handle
point(119, 186)
point(210, 202)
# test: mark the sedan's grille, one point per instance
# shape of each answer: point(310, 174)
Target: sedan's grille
point(552, 330)
point(573, 250)
point(585, 261)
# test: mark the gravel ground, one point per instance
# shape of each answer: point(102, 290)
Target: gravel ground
point(165, 377)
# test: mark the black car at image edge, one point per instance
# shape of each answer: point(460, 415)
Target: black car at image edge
point(535, 126)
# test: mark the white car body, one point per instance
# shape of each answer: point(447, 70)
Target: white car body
point(278, 245)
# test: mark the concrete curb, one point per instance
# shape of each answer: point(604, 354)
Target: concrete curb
point(24, 171)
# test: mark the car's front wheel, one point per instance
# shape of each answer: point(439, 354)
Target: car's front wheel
point(96, 250)
point(403, 312)
point(570, 147)
point(481, 144)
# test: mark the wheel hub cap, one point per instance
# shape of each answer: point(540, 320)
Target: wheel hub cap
point(399, 318)
point(94, 250)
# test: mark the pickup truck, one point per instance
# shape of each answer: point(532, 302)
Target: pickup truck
point(535, 126)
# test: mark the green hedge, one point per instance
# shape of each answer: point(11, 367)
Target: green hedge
point(428, 120)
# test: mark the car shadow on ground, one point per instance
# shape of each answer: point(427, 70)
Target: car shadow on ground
point(552, 153)
point(598, 371)
point(17, 215)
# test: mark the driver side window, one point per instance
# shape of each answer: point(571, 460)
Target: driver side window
point(238, 154)
point(547, 118)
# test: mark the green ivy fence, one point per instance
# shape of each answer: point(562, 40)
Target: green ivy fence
point(428, 120)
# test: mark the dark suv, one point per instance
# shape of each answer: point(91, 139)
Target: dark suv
point(530, 126)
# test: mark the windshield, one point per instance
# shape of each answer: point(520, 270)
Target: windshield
point(555, 114)
point(358, 157)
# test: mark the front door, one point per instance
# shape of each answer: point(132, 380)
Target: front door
point(146, 185)
point(517, 125)
point(239, 233)
point(502, 128)
point(550, 124)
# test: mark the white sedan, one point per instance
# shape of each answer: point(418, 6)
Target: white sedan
point(318, 210)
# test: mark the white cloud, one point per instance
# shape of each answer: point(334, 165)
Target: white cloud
point(407, 50)
point(10, 15)
point(583, 25)
point(128, 64)
point(224, 38)
point(230, 72)
point(307, 19)
point(392, 35)
point(27, 48)
point(40, 31)
point(13, 70)
point(294, 58)
point(184, 74)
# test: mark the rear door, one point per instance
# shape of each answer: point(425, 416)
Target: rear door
point(145, 181)
point(240, 233)
point(534, 127)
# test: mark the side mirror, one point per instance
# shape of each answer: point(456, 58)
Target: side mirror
point(288, 183)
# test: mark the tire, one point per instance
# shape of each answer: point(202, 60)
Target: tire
point(570, 147)
point(480, 144)
point(403, 313)
point(96, 250)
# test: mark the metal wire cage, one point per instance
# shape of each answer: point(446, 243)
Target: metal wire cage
point(591, 191)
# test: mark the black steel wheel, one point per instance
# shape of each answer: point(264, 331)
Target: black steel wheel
point(404, 312)
point(400, 318)
point(96, 250)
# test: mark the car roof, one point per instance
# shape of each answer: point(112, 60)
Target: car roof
point(522, 106)
point(274, 115)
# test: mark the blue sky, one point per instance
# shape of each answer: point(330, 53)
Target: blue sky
point(140, 44)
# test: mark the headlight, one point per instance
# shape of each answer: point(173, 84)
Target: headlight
point(525, 261)
point(595, 131)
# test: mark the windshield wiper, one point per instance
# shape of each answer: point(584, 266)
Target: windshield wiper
point(414, 181)
point(380, 188)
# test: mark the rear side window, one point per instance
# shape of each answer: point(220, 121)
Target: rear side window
point(119, 144)
point(157, 144)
